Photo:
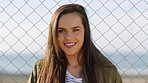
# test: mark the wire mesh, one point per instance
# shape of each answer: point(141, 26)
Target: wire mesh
point(119, 29)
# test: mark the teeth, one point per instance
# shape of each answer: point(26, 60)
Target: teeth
point(70, 44)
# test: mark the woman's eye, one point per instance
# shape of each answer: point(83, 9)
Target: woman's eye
point(76, 30)
point(60, 31)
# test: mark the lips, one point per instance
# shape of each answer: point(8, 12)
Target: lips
point(70, 44)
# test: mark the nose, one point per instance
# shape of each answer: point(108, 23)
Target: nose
point(68, 35)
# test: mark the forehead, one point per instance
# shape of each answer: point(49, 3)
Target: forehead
point(70, 19)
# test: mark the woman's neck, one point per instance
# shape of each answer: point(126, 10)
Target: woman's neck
point(74, 67)
point(75, 70)
point(73, 60)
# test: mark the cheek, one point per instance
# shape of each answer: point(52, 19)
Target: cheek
point(60, 39)
point(80, 36)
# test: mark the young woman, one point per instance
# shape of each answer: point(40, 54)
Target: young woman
point(71, 56)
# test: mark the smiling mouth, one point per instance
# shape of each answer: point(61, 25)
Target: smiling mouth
point(70, 44)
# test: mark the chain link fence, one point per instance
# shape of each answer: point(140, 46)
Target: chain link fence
point(119, 30)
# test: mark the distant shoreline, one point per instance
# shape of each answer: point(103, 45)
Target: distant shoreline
point(6, 78)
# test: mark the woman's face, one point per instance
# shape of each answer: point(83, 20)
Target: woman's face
point(70, 34)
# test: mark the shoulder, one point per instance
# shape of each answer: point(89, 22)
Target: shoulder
point(37, 65)
point(108, 73)
point(33, 77)
point(101, 60)
point(39, 62)
point(105, 66)
point(105, 69)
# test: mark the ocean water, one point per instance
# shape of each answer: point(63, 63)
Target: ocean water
point(23, 63)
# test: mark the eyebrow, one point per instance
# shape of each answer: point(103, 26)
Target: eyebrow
point(71, 28)
point(60, 28)
point(76, 27)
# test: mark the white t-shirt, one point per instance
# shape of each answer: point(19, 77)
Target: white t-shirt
point(71, 79)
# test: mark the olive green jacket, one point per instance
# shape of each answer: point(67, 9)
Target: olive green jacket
point(106, 73)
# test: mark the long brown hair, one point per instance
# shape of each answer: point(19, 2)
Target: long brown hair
point(54, 64)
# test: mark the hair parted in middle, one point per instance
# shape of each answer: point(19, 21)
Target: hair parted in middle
point(55, 63)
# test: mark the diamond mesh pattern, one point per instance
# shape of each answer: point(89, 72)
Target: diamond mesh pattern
point(119, 30)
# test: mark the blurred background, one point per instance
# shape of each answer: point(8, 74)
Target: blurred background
point(119, 30)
